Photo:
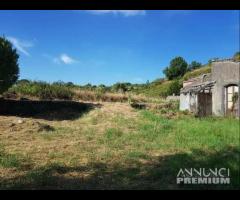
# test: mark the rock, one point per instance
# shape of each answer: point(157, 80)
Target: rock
point(12, 124)
point(20, 121)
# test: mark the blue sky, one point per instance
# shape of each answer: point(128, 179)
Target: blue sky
point(111, 46)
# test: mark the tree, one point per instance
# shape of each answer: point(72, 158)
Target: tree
point(9, 70)
point(194, 65)
point(69, 84)
point(236, 56)
point(175, 87)
point(120, 87)
point(177, 68)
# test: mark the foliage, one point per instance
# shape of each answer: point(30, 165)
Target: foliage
point(158, 81)
point(175, 87)
point(177, 68)
point(43, 90)
point(194, 65)
point(236, 56)
point(120, 87)
point(9, 70)
point(203, 70)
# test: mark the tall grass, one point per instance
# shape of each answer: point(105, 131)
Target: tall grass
point(203, 70)
point(42, 90)
point(47, 91)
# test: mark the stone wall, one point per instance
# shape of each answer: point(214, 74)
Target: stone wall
point(188, 102)
point(224, 73)
point(173, 98)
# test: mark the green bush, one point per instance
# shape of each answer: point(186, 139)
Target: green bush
point(174, 87)
point(43, 90)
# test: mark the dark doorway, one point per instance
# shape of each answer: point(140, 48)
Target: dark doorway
point(204, 104)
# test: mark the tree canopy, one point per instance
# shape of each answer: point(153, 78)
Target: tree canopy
point(194, 65)
point(9, 70)
point(178, 67)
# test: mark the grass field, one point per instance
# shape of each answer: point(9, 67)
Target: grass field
point(113, 146)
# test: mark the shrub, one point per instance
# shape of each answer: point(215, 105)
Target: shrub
point(194, 65)
point(43, 90)
point(175, 87)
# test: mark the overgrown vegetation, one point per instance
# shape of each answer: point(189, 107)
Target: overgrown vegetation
point(236, 57)
point(42, 90)
point(178, 71)
point(192, 74)
point(116, 147)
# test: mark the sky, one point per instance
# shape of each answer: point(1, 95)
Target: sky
point(109, 46)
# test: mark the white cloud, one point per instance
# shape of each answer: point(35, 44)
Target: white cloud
point(126, 13)
point(20, 45)
point(65, 59)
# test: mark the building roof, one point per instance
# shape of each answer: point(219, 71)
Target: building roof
point(198, 84)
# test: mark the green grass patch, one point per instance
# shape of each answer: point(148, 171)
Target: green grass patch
point(203, 70)
point(113, 133)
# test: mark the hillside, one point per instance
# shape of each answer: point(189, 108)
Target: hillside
point(203, 70)
point(164, 88)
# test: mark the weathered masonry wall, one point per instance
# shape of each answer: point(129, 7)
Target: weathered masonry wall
point(188, 102)
point(184, 101)
point(225, 73)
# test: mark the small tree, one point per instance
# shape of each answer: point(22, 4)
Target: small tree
point(9, 70)
point(120, 87)
point(69, 84)
point(177, 68)
point(174, 88)
point(194, 65)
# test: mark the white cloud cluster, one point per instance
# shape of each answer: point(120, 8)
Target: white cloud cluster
point(20, 45)
point(65, 59)
point(126, 13)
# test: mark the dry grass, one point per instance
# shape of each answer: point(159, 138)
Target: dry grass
point(112, 146)
point(94, 96)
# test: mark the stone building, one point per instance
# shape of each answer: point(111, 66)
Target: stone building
point(216, 93)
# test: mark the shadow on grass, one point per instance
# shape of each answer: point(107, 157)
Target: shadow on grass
point(158, 173)
point(49, 110)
